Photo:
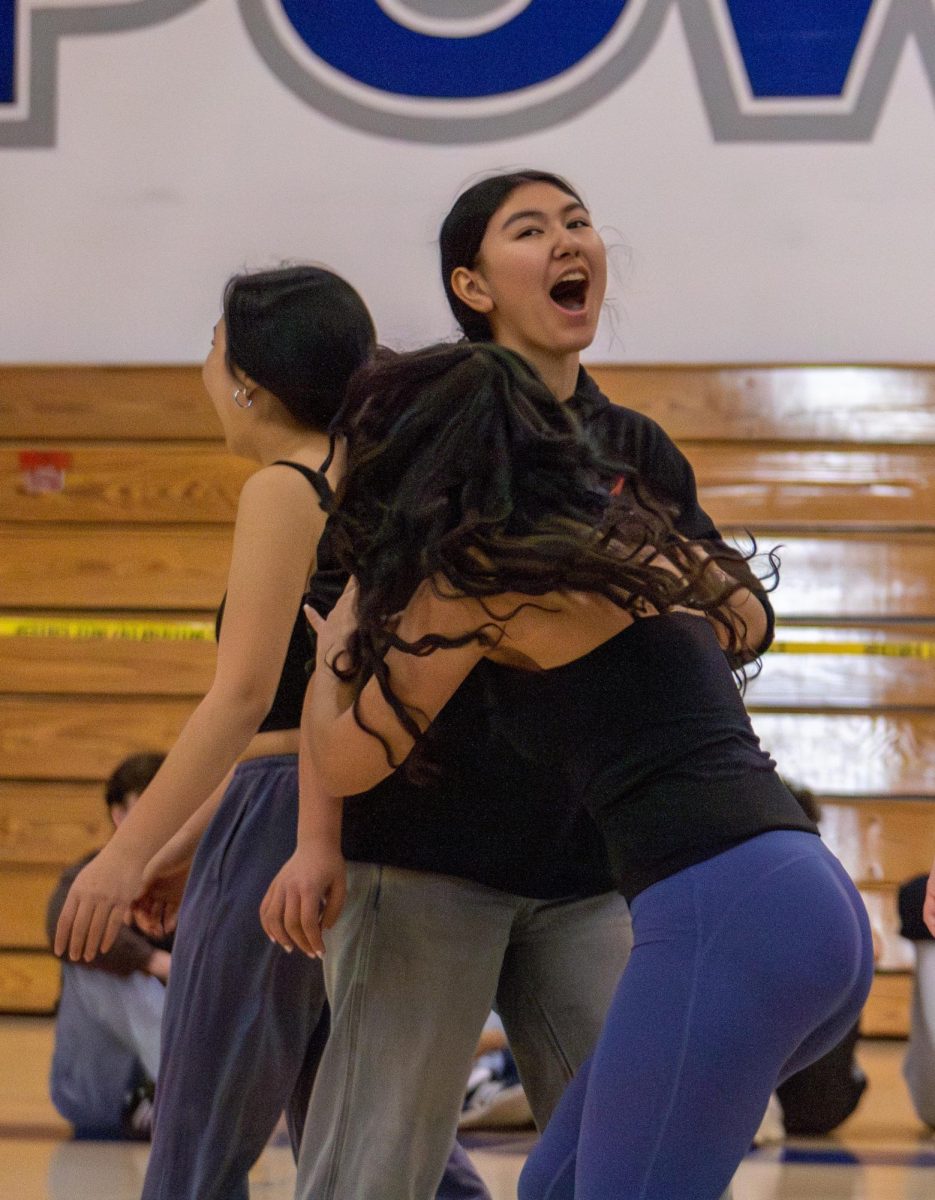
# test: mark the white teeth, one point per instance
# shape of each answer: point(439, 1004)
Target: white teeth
point(571, 275)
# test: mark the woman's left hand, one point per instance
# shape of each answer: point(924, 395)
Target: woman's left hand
point(98, 903)
point(334, 631)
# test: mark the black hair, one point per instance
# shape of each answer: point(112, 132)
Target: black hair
point(463, 231)
point(300, 332)
point(132, 775)
point(464, 470)
point(806, 798)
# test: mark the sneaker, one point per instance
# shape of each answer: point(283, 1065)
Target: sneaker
point(137, 1118)
point(496, 1104)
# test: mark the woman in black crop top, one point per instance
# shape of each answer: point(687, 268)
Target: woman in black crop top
point(244, 1024)
point(482, 527)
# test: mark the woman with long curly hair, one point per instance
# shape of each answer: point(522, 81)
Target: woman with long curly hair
point(486, 883)
point(487, 541)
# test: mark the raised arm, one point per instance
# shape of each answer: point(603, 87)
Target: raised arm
point(275, 534)
point(346, 757)
point(665, 468)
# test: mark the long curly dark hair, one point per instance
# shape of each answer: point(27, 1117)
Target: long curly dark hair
point(464, 470)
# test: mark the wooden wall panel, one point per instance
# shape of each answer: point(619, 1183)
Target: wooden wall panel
point(836, 463)
point(107, 666)
point(111, 568)
point(59, 402)
point(83, 738)
point(123, 482)
point(887, 405)
point(51, 823)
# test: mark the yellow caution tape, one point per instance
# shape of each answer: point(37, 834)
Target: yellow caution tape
point(91, 629)
point(882, 649)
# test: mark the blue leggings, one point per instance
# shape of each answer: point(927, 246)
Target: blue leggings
point(745, 969)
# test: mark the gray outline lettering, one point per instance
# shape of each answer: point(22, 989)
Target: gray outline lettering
point(47, 27)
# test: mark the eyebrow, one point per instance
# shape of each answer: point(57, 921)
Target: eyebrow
point(539, 215)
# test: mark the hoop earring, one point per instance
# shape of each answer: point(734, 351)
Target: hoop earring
point(242, 392)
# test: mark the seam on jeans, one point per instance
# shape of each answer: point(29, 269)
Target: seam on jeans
point(359, 992)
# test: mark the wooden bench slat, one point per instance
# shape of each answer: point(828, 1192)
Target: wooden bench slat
point(63, 666)
point(885, 404)
point(124, 482)
point(51, 824)
point(83, 737)
point(24, 896)
point(151, 402)
point(864, 667)
point(738, 482)
point(854, 577)
point(886, 1012)
point(839, 576)
point(881, 841)
point(29, 982)
point(110, 568)
point(809, 488)
point(853, 754)
point(888, 405)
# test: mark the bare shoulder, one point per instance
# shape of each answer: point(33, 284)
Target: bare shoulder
point(436, 607)
point(271, 488)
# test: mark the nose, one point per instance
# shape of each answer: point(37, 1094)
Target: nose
point(564, 243)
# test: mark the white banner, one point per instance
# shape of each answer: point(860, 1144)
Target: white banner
point(764, 174)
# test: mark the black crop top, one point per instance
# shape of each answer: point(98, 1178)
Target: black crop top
point(290, 692)
point(650, 732)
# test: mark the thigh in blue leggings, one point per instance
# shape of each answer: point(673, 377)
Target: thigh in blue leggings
point(745, 968)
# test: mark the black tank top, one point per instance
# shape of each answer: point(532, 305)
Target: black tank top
point(650, 731)
point(287, 703)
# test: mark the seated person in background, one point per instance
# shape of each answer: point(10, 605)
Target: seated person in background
point(110, 1011)
point(919, 1063)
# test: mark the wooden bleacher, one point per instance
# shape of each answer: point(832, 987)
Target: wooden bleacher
point(834, 464)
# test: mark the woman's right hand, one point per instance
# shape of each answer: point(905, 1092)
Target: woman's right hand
point(99, 901)
point(305, 897)
point(156, 909)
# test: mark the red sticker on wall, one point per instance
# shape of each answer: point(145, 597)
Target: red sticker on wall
point(43, 471)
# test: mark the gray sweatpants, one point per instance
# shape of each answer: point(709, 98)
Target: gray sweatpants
point(919, 1063)
point(413, 967)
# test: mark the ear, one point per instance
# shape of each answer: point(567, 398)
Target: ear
point(470, 288)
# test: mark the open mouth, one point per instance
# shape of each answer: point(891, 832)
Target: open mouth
point(571, 292)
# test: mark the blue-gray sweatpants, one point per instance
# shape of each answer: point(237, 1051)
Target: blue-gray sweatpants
point(244, 1023)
